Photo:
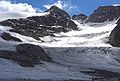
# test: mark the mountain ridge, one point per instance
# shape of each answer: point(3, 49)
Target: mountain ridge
point(35, 25)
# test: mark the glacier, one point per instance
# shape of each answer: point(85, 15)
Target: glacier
point(74, 52)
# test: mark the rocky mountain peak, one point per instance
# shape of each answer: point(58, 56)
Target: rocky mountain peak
point(105, 13)
point(54, 10)
point(38, 26)
point(79, 17)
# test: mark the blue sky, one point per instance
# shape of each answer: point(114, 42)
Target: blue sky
point(71, 6)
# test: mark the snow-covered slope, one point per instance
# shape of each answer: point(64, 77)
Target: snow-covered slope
point(95, 36)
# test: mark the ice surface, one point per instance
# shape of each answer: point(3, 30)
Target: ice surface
point(46, 71)
point(70, 63)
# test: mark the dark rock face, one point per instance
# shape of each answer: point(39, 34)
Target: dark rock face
point(115, 35)
point(104, 13)
point(26, 55)
point(8, 37)
point(37, 26)
point(58, 12)
point(81, 17)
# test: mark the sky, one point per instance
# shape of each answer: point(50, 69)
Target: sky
point(73, 7)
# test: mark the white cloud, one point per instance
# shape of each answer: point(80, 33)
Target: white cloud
point(58, 4)
point(62, 5)
point(7, 6)
point(116, 4)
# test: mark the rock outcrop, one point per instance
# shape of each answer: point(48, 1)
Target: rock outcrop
point(80, 17)
point(115, 36)
point(37, 26)
point(8, 37)
point(104, 13)
point(26, 55)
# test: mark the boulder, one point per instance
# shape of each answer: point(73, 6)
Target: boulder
point(32, 51)
point(115, 36)
point(8, 37)
point(26, 55)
